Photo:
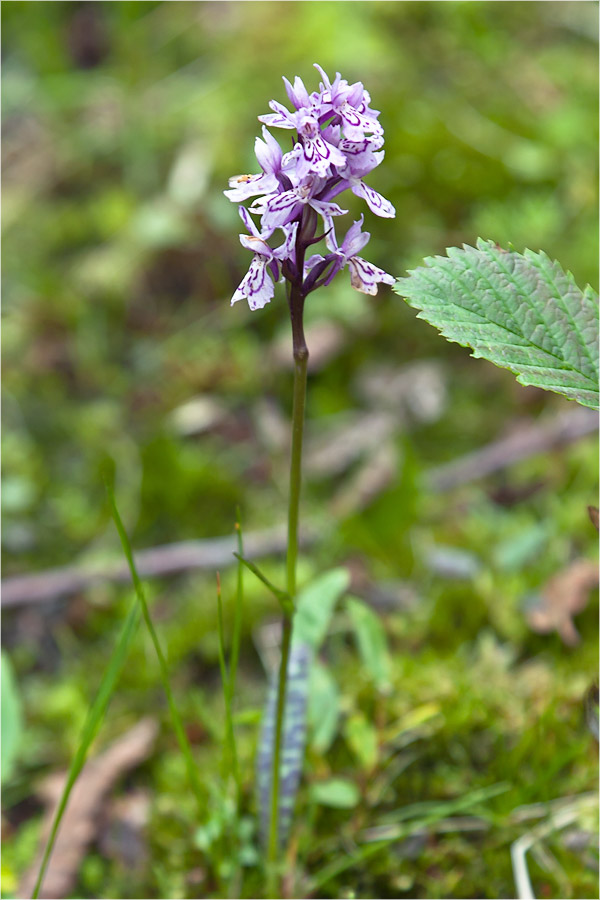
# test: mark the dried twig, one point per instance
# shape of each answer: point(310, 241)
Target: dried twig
point(213, 553)
point(81, 819)
point(216, 553)
point(528, 441)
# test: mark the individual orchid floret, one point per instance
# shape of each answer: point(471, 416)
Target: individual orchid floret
point(362, 156)
point(316, 154)
point(364, 276)
point(281, 209)
point(299, 96)
point(350, 102)
point(257, 286)
point(269, 155)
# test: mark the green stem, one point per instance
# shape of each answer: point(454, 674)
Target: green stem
point(300, 372)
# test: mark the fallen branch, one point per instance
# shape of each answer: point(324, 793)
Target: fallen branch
point(217, 553)
point(213, 553)
point(501, 454)
point(82, 817)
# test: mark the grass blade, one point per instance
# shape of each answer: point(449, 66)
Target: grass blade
point(90, 730)
point(283, 597)
point(347, 861)
point(164, 674)
point(226, 679)
point(239, 605)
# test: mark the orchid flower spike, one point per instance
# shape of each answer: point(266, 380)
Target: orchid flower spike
point(337, 142)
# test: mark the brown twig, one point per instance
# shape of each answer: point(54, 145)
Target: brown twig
point(218, 552)
point(169, 559)
point(528, 441)
point(81, 819)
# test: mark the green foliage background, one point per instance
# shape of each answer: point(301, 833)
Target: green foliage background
point(122, 123)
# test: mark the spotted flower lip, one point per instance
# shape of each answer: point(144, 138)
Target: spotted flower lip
point(338, 141)
point(364, 276)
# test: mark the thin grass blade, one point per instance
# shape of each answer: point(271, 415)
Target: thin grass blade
point(283, 597)
point(164, 674)
point(90, 730)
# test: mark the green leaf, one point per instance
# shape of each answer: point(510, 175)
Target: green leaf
point(292, 743)
point(12, 718)
point(361, 736)
point(315, 605)
point(314, 609)
point(520, 311)
point(336, 792)
point(323, 707)
point(372, 642)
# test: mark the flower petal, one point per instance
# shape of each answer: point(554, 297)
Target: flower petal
point(245, 186)
point(257, 286)
point(280, 209)
point(280, 118)
point(256, 244)
point(268, 153)
point(288, 249)
point(356, 124)
point(324, 208)
point(249, 223)
point(298, 94)
point(319, 155)
point(355, 239)
point(377, 204)
point(365, 277)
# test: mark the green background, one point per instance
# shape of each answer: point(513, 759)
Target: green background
point(122, 124)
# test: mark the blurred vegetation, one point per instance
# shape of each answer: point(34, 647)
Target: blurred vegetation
point(122, 123)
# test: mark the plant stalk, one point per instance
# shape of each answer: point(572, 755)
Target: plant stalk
point(296, 302)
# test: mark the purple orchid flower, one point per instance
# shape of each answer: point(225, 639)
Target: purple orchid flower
point(269, 155)
point(351, 103)
point(281, 209)
point(257, 286)
point(338, 141)
point(364, 276)
point(316, 154)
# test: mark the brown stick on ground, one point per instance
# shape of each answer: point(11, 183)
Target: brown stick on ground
point(217, 553)
point(528, 441)
point(213, 553)
point(80, 821)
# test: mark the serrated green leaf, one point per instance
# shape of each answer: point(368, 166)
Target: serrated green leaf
point(520, 311)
